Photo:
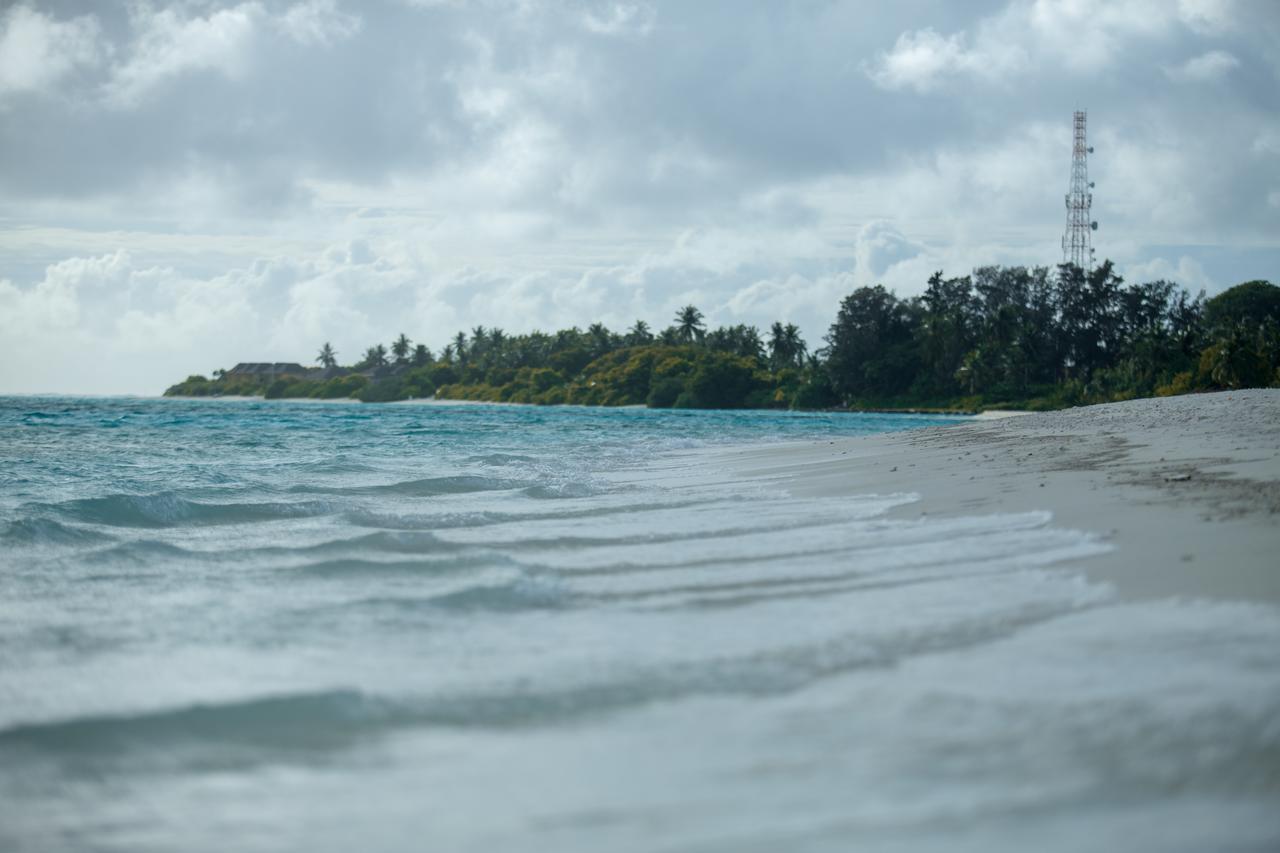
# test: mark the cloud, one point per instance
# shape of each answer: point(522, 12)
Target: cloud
point(879, 246)
point(632, 19)
point(318, 22)
point(168, 45)
point(1213, 65)
point(923, 59)
point(1186, 271)
point(309, 170)
point(1084, 37)
point(38, 51)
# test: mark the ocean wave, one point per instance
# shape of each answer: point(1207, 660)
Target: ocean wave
point(342, 567)
point(523, 593)
point(329, 718)
point(461, 519)
point(336, 465)
point(558, 491)
point(274, 720)
point(139, 551)
point(384, 541)
point(460, 484)
point(170, 510)
point(498, 460)
point(414, 542)
point(46, 531)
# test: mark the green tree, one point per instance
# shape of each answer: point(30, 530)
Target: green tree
point(786, 347)
point(327, 358)
point(1250, 303)
point(689, 326)
point(421, 356)
point(739, 340)
point(1089, 317)
point(869, 347)
point(639, 334)
point(602, 340)
point(401, 347)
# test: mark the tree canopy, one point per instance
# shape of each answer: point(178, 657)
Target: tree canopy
point(1034, 337)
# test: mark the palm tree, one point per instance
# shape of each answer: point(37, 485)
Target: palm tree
point(327, 358)
point(689, 326)
point(375, 356)
point(499, 344)
point(460, 347)
point(421, 355)
point(639, 334)
point(400, 348)
point(479, 344)
point(601, 339)
point(786, 347)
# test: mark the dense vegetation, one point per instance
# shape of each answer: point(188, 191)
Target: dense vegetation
point(1002, 336)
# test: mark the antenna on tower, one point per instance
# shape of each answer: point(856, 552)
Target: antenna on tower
point(1076, 241)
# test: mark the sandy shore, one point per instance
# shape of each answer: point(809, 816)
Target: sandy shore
point(1186, 489)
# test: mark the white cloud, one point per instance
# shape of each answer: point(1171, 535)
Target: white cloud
point(1213, 65)
point(632, 19)
point(318, 22)
point(1186, 271)
point(37, 51)
point(1210, 17)
point(540, 165)
point(923, 59)
point(168, 45)
point(879, 246)
point(1079, 36)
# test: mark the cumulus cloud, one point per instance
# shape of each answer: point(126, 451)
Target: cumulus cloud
point(254, 177)
point(168, 44)
point(319, 22)
point(1213, 65)
point(37, 50)
point(921, 60)
point(1186, 270)
point(1081, 36)
point(614, 19)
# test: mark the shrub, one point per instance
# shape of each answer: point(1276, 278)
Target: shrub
point(382, 391)
point(663, 393)
point(340, 387)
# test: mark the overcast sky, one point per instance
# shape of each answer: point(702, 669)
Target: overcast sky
point(187, 185)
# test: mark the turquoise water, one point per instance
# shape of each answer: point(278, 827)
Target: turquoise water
point(285, 626)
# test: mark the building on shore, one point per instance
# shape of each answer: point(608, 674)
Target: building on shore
point(269, 370)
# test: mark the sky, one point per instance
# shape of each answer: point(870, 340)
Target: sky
point(187, 185)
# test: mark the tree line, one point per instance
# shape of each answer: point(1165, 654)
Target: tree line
point(1001, 336)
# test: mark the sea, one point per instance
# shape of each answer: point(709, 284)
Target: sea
point(246, 625)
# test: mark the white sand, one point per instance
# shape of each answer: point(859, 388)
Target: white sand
point(1186, 488)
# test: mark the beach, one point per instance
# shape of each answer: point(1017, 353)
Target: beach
point(1186, 489)
point(513, 628)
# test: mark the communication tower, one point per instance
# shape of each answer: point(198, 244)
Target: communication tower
point(1076, 241)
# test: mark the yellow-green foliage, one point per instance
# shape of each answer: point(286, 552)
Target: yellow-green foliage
point(199, 386)
point(340, 387)
point(656, 375)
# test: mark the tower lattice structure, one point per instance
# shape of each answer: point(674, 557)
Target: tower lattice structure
point(1077, 240)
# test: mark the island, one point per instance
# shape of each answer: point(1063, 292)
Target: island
point(1001, 337)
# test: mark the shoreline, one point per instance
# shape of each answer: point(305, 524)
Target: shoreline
point(1185, 489)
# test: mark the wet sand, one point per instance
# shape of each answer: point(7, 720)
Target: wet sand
point(1185, 489)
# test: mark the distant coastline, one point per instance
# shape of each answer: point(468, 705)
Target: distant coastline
point(1002, 338)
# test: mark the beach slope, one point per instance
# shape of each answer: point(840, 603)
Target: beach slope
point(1186, 489)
